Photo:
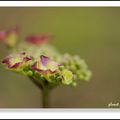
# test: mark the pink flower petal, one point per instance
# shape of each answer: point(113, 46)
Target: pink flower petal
point(27, 59)
point(2, 35)
point(16, 65)
point(43, 65)
point(38, 39)
point(44, 59)
point(11, 62)
point(7, 61)
point(34, 67)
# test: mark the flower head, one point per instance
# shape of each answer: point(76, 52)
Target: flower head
point(16, 61)
point(45, 65)
point(39, 39)
point(9, 37)
point(52, 69)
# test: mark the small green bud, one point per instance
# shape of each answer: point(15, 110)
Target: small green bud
point(61, 67)
point(85, 75)
point(88, 75)
point(29, 73)
point(67, 75)
point(74, 84)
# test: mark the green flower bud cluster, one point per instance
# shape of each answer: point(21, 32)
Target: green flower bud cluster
point(78, 67)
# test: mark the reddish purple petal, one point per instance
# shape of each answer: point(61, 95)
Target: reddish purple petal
point(33, 39)
point(47, 71)
point(44, 59)
point(42, 71)
point(39, 39)
point(16, 65)
point(22, 59)
point(27, 59)
point(41, 66)
point(2, 35)
point(34, 66)
point(7, 61)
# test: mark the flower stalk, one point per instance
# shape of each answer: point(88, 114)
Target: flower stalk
point(46, 90)
point(46, 97)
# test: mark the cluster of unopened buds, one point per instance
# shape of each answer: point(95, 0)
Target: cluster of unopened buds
point(36, 58)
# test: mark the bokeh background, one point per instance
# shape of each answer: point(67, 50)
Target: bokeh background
point(93, 33)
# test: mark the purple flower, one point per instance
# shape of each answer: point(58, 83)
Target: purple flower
point(45, 65)
point(17, 60)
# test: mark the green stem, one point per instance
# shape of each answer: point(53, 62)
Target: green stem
point(45, 99)
point(46, 89)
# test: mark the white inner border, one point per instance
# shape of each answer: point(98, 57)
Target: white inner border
point(59, 113)
point(59, 3)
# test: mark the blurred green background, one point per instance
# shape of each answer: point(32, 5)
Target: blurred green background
point(93, 33)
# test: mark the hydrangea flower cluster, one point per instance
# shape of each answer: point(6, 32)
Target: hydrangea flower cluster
point(36, 58)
